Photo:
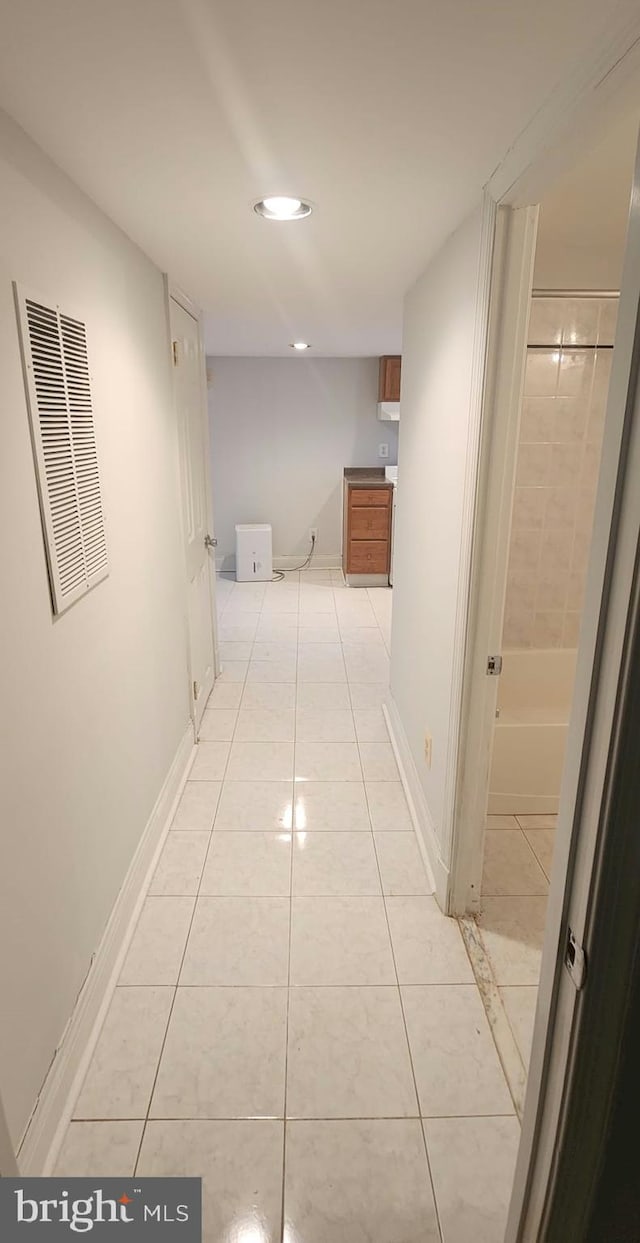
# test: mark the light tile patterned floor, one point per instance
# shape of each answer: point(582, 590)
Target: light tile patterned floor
point(515, 883)
point(296, 1021)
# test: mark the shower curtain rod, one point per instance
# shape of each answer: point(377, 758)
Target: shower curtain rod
point(575, 293)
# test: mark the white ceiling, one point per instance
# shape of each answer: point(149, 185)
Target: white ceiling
point(175, 114)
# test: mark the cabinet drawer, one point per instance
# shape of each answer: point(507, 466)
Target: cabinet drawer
point(368, 557)
point(365, 522)
point(369, 496)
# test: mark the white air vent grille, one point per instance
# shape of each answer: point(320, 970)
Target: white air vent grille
point(56, 366)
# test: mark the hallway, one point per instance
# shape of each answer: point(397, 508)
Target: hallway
point(295, 1020)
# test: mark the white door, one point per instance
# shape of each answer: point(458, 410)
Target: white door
point(190, 406)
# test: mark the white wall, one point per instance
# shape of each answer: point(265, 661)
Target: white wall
point(561, 265)
point(94, 703)
point(282, 430)
point(582, 227)
point(438, 353)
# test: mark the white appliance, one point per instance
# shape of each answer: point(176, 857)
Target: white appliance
point(391, 475)
point(254, 553)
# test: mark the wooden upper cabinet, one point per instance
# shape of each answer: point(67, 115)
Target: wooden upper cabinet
point(389, 377)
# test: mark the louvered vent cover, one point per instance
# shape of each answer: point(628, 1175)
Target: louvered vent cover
point(56, 365)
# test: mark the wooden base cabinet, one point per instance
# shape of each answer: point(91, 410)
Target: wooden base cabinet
point(366, 554)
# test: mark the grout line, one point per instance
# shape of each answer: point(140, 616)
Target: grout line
point(177, 984)
point(291, 850)
point(298, 1118)
point(404, 1021)
point(310, 984)
point(486, 893)
point(530, 845)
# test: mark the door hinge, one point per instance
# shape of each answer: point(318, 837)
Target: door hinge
point(175, 353)
point(196, 690)
point(575, 960)
point(494, 666)
point(210, 541)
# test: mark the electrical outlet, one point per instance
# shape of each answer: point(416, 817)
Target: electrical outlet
point(383, 450)
point(428, 748)
point(313, 534)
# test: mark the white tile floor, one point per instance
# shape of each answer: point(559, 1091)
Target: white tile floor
point(296, 1021)
point(515, 884)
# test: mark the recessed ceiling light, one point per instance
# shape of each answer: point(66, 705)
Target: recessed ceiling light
point(300, 345)
point(281, 207)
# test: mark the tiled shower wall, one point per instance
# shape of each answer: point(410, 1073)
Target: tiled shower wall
point(565, 397)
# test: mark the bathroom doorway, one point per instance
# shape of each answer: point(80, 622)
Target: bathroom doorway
point(551, 445)
point(579, 256)
point(568, 366)
point(556, 325)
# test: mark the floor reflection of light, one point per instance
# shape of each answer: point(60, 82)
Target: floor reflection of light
point(301, 815)
point(287, 818)
point(284, 837)
point(300, 840)
point(249, 1232)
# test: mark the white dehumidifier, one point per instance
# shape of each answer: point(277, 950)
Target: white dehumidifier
point(254, 553)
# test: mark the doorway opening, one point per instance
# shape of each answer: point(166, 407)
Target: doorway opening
point(579, 257)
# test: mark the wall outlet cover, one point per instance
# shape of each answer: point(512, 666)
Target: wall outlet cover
point(383, 450)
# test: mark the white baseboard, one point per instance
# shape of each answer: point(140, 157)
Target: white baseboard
point(437, 871)
point(321, 561)
point(366, 580)
point(43, 1137)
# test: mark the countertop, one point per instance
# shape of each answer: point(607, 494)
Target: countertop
point(366, 477)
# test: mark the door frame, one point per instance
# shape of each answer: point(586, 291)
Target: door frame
point(509, 308)
point(174, 293)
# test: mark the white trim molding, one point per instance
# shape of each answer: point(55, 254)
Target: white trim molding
point(583, 101)
point(44, 1135)
point(437, 870)
point(496, 463)
point(476, 406)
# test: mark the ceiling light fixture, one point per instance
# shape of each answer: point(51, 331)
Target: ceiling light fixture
point(300, 345)
point(282, 207)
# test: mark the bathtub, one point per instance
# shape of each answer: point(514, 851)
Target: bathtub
point(530, 735)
